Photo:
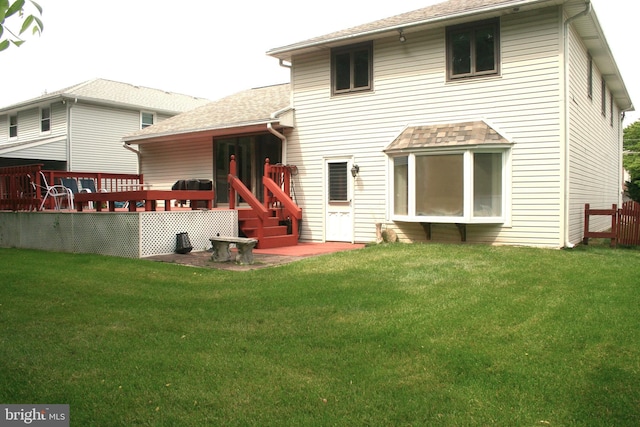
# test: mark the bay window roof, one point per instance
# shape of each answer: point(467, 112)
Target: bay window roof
point(414, 138)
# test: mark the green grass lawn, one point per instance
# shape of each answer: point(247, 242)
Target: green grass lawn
point(394, 335)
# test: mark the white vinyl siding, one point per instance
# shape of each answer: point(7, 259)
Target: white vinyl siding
point(595, 167)
point(411, 88)
point(96, 139)
point(52, 149)
point(28, 125)
point(165, 163)
point(31, 143)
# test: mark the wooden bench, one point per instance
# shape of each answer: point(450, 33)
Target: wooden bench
point(221, 249)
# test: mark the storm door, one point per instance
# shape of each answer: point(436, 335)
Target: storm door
point(339, 206)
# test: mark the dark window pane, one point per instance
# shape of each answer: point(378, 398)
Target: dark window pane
point(338, 181)
point(45, 122)
point(603, 98)
point(361, 68)
point(343, 71)
point(590, 89)
point(485, 49)
point(461, 52)
point(147, 120)
point(13, 126)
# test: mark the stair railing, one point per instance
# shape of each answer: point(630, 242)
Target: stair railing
point(236, 187)
point(277, 192)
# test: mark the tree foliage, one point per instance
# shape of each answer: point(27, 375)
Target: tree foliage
point(631, 160)
point(17, 10)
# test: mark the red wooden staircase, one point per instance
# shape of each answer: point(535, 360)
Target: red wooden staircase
point(274, 230)
point(273, 222)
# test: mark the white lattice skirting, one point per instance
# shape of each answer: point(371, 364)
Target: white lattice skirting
point(123, 234)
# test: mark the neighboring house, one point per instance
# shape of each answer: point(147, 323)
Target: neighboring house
point(490, 121)
point(80, 128)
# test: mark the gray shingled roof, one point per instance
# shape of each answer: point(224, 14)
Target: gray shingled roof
point(445, 135)
point(430, 14)
point(250, 107)
point(125, 94)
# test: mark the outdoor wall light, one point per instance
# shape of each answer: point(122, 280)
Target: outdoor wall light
point(402, 38)
point(355, 169)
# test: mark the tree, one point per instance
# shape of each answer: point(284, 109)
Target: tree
point(17, 10)
point(631, 160)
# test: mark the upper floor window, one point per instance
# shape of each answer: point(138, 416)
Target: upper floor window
point(13, 126)
point(603, 99)
point(352, 68)
point(45, 119)
point(473, 49)
point(611, 108)
point(146, 119)
point(590, 78)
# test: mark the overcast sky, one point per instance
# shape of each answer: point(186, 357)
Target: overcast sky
point(213, 48)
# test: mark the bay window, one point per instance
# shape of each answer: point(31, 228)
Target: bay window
point(464, 185)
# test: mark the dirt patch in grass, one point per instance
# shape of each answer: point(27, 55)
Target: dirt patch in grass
point(202, 259)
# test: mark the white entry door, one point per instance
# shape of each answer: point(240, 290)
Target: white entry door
point(339, 200)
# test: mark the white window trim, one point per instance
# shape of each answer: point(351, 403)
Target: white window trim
point(9, 137)
point(44, 132)
point(467, 217)
point(152, 114)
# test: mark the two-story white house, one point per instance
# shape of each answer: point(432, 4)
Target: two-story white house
point(80, 128)
point(490, 121)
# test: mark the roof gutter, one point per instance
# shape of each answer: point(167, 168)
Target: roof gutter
point(564, 151)
point(393, 28)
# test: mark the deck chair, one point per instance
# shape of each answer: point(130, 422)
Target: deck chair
point(71, 184)
point(58, 193)
point(89, 186)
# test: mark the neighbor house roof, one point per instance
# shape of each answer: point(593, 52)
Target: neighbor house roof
point(446, 135)
point(119, 94)
point(248, 110)
point(459, 11)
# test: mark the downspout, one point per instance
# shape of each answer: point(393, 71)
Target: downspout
point(138, 154)
point(67, 108)
point(564, 152)
point(283, 138)
point(273, 117)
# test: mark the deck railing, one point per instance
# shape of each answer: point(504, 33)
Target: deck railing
point(17, 193)
point(110, 182)
point(21, 187)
